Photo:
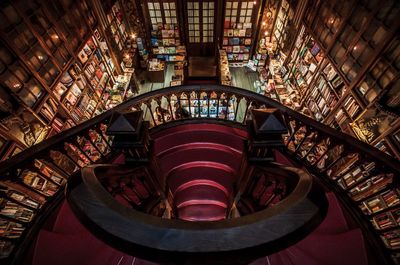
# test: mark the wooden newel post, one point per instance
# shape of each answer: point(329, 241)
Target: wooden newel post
point(265, 134)
point(130, 136)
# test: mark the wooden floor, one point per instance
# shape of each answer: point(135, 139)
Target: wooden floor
point(202, 67)
point(243, 77)
point(146, 86)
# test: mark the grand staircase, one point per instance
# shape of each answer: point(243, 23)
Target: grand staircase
point(199, 161)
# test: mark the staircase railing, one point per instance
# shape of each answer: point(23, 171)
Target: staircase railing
point(365, 178)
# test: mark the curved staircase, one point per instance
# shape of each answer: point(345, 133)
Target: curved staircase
point(201, 178)
point(200, 164)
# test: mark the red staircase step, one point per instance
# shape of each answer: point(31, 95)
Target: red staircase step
point(335, 222)
point(347, 248)
point(83, 249)
point(185, 134)
point(66, 222)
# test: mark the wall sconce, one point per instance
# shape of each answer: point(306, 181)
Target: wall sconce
point(133, 35)
point(264, 23)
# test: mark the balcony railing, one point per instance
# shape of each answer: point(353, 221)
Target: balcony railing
point(365, 179)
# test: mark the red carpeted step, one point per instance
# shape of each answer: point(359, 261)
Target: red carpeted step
point(83, 249)
point(346, 248)
point(200, 173)
point(200, 192)
point(262, 261)
point(335, 222)
point(66, 222)
point(202, 212)
point(276, 259)
point(187, 134)
point(181, 157)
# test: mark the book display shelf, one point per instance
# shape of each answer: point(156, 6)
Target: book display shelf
point(319, 85)
point(116, 26)
point(166, 46)
point(238, 31)
point(369, 110)
point(25, 195)
point(280, 33)
point(347, 84)
point(237, 41)
point(85, 82)
point(59, 76)
point(165, 41)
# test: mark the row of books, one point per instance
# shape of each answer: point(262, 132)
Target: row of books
point(386, 220)
point(370, 186)
point(380, 202)
point(39, 183)
point(236, 41)
point(225, 74)
point(232, 25)
point(15, 211)
point(9, 229)
point(49, 109)
point(170, 50)
point(355, 174)
point(171, 58)
point(237, 49)
point(237, 32)
point(392, 239)
point(351, 106)
point(165, 42)
point(238, 56)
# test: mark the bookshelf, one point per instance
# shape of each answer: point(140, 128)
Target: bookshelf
point(280, 33)
point(237, 41)
point(239, 23)
point(225, 74)
point(116, 26)
point(10, 229)
point(392, 239)
point(9, 209)
point(386, 220)
point(166, 44)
